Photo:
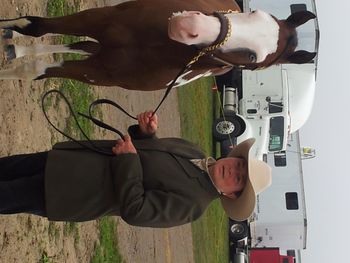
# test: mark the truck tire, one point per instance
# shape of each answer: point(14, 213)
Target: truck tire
point(238, 230)
point(230, 126)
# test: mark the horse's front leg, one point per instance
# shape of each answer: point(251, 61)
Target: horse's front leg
point(91, 22)
point(88, 71)
point(27, 71)
point(83, 48)
point(17, 24)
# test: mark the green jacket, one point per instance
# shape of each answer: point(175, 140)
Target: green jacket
point(157, 187)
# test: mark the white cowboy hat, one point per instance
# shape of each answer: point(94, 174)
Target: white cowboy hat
point(259, 178)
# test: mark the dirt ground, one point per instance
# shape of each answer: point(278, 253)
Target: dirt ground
point(26, 238)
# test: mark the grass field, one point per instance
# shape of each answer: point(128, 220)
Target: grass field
point(106, 251)
point(196, 102)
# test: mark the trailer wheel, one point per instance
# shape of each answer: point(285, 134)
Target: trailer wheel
point(230, 126)
point(238, 231)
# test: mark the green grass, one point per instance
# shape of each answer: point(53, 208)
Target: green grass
point(209, 235)
point(60, 7)
point(45, 258)
point(105, 251)
point(196, 102)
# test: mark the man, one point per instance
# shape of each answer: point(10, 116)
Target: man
point(148, 181)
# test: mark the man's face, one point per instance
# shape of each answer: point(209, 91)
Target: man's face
point(229, 175)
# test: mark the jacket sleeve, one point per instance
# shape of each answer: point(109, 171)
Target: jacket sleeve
point(150, 208)
point(135, 133)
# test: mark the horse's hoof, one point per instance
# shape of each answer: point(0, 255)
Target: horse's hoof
point(7, 34)
point(10, 52)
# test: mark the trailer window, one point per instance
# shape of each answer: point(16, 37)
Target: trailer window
point(285, 260)
point(297, 7)
point(276, 134)
point(292, 201)
point(275, 107)
point(280, 159)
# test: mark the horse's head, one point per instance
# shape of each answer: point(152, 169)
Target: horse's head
point(255, 39)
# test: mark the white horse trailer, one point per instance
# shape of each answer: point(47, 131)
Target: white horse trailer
point(272, 103)
point(279, 219)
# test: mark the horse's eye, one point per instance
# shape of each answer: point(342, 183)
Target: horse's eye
point(252, 58)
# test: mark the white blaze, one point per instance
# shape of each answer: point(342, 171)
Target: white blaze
point(257, 31)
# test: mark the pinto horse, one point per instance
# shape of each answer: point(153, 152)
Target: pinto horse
point(144, 44)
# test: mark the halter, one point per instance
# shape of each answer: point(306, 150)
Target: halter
point(224, 35)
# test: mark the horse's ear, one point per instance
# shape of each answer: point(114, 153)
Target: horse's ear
point(301, 56)
point(298, 18)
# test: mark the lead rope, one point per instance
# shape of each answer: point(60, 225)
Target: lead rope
point(98, 122)
point(92, 146)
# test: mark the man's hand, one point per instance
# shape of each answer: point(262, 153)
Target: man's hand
point(148, 122)
point(125, 146)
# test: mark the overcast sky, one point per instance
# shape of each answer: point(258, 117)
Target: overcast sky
point(327, 178)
